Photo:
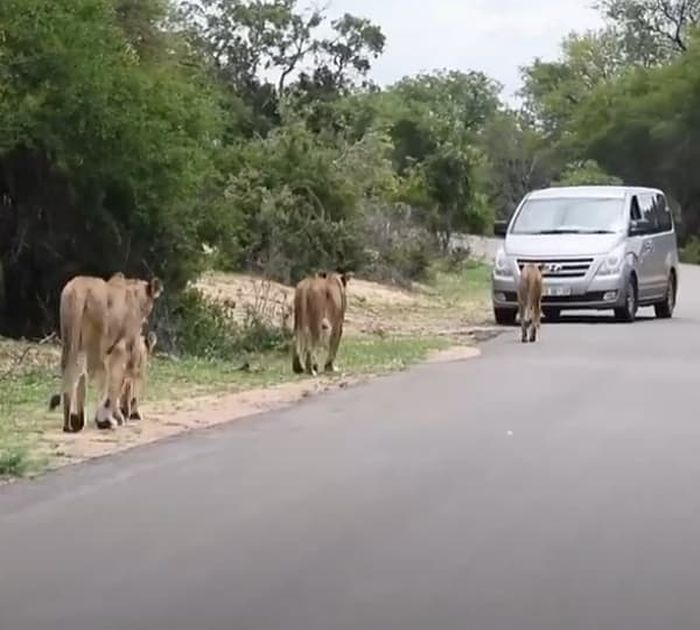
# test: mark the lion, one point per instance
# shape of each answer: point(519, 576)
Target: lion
point(320, 303)
point(530, 301)
point(95, 316)
point(127, 364)
point(131, 359)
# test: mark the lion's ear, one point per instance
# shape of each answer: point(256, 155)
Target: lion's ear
point(346, 276)
point(151, 341)
point(322, 274)
point(155, 288)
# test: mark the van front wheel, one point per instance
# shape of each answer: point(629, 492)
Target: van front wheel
point(628, 312)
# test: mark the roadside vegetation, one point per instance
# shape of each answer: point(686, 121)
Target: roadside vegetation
point(388, 329)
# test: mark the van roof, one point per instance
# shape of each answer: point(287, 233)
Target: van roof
point(602, 192)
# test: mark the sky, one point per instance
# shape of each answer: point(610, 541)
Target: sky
point(494, 36)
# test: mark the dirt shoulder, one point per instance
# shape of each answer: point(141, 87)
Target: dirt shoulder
point(387, 330)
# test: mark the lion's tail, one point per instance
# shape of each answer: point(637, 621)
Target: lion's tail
point(71, 314)
point(300, 340)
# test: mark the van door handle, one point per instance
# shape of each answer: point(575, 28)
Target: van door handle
point(649, 246)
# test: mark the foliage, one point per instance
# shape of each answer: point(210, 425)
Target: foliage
point(434, 122)
point(297, 197)
point(690, 253)
point(620, 105)
point(14, 462)
point(586, 173)
point(652, 31)
point(397, 249)
point(193, 325)
point(647, 129)
point(264, 50)
point(101, 156)
point(553, 90)
point(518, 159)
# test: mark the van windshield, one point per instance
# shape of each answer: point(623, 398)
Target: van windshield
point(570, 216)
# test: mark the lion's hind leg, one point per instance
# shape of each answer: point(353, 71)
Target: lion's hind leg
point(73, 386)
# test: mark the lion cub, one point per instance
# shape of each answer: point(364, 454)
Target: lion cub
point(128, 364)
point(135, 375)
point(530, 301)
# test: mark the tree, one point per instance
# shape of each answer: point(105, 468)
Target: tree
point(102, 155)
point(552, 91)
point(263, 50)
point(434, 121)
point(586, 173)
point(451, 104)
point(298, 197)
point(646, 128)
point(652, 31)
point(517, 159)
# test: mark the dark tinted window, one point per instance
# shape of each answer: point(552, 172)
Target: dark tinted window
point(662, 213)
point(648, 209)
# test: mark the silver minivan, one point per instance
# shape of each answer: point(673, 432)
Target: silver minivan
point(601, 247)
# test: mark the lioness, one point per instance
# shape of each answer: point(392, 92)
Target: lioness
point(132, 360)
point(95, 316)
point(319, 312)
point(530, 301)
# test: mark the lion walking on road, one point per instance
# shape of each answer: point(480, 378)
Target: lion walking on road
point(530, 301)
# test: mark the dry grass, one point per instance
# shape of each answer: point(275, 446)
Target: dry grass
point(450, 306)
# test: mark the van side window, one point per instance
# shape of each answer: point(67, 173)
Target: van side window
point(648, 209)
point(635, 214)
point(663, 213)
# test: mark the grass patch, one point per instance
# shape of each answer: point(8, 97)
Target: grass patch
point(458, 295)
point(357, 356)
point(471, 282)
point(14, 462)
point(25, 419)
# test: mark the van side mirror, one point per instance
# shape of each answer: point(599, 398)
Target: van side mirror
point(639, 227)
point(500, 228)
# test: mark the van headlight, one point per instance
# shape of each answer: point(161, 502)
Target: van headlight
point(502, 265)
point(612, 263)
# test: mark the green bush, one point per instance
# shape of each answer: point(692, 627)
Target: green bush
point(690, 253)
point(396, 249)
point(457, 260)
point(296, 198)
point(192, 325)
point(14, 462)
point(103, 156)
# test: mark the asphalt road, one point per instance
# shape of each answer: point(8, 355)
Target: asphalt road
point(553, 486)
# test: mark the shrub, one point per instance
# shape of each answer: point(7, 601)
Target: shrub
point(398, 250)
point(14, 462)
point(194, 325)
point(690, 253)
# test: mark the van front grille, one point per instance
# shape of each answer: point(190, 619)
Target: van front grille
point(560, 268)
point(591, 296)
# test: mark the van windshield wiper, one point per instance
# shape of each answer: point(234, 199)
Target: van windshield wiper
point(574, 231)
